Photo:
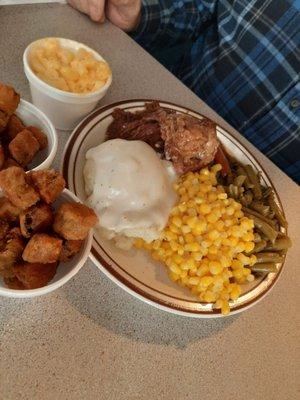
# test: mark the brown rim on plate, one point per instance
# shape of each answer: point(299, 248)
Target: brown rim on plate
point(133, 287)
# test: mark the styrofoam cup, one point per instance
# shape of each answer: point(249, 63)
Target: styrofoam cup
point(65, 109)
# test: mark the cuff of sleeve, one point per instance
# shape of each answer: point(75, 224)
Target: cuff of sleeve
point(142, 26)
point(150, 23)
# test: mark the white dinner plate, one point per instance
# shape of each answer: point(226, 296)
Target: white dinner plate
point(134, 270)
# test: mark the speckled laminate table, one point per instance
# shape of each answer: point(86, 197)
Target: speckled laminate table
point(90, 339)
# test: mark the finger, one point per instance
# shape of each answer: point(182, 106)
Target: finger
point(97, 10)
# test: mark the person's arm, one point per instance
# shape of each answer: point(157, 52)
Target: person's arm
point(168, 22)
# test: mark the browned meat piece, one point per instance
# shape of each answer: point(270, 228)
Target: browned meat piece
point(189, 143)
point(10, 252)
point(37, 218)
point(9, 101)
point(24, 147)
point(2, 157)
point(8, 211)
point(13, 181)
point(14, 126)
point(34, 275)
point(4, 228)
point(42, 248)
point(48, 183)
point(73, 221)
point(39, 135)
point(69, 249)
point(13, 283)
point(143, 125)
point(10, 162)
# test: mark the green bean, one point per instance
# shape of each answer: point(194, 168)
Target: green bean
point(276, 210)
point(252, 176)
point(257, 214)
point(266, 192)
point(264, 267)
point(268, 257)
point(260, 208)
point(247, 198)
point(233, 191)
point(281, 243)
point(239, 180)
point(259, 246)
point(257, 237)
point(241, 171)
point(265, 228)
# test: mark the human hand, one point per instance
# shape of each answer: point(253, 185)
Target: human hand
point(123, 13)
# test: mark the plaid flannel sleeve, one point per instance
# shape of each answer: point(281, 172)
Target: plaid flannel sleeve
point(168, 22)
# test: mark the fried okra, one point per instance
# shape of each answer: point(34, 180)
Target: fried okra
point(73, 221)
point(4, 228)
point(42, 248)
point(14, 126)
point(9, 101)
point(10, 162)
point(69, 249)
point(13, 181)
point(24, 147)
point(48, 183)
point(37, 218)
point(10, 252)
point(34, 275)
point(8, 211)
point(39, 135)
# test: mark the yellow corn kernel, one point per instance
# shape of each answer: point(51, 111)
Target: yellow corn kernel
point(244, 259)
point(209, 297)
point(205, 281)
point(189, 238)
point(199, 227)
point(225, 309)
point(194, 280)
point(248, 246)
point(173, 229)
point(238, 273)
point(174, 277)
point(194, 247)
point(250, 278)
point(213, 235)
point(175, 269)
point(213, 250)
point(247, 223)
point(185, 229)
point(216, 168)
point(248, 236)
point(252, 260)
point(197, 256)
point(236, 264)
point(212, 218)
point(182, 207)
point(215, 267)
point(204, 208)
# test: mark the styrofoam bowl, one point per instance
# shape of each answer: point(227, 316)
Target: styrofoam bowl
point(31, 115)
point(65, 109)
point(65, 271)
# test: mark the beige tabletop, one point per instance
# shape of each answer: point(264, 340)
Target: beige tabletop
point(92, 340)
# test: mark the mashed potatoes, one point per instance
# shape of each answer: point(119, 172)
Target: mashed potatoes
point(130, 188)
point(71, 71)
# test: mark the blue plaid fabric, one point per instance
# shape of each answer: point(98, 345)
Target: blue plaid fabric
point(244, 62)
